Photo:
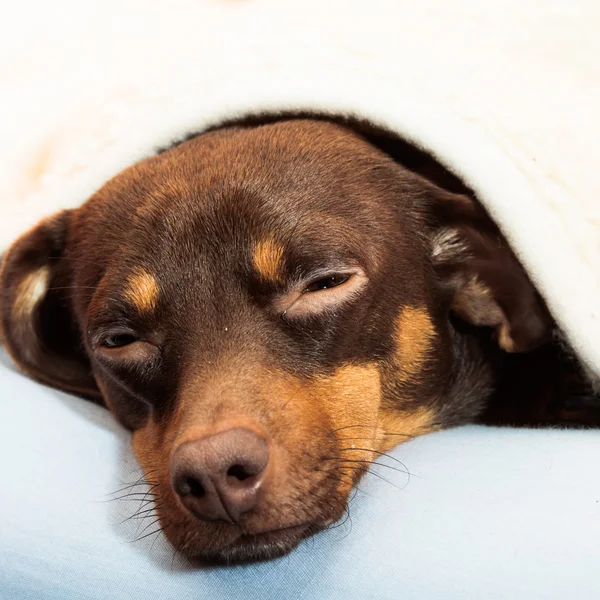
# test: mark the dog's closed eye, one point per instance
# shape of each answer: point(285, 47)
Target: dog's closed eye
point(328, 282)
point(118, 340)
point(322, 293)
point(124, 346)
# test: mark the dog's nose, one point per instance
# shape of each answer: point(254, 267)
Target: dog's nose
point(218, 477)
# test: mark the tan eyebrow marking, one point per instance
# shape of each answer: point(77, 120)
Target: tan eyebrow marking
point(414, 338)
point(267, 259)
point(142, 290)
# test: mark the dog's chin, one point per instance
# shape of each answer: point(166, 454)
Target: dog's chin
point(249, 548)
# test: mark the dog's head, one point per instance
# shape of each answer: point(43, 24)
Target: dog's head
point(267, 309)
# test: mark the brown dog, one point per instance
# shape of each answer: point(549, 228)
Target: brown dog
point(268, 309)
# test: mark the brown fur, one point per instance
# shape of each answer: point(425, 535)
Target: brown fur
point(170, 294)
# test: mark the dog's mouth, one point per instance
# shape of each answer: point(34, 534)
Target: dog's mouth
point(255, 547)
point(259, 538)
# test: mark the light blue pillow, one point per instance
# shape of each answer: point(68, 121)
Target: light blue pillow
point(487, 513)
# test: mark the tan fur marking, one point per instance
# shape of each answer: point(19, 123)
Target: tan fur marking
point(352, 398)
point(142, 290)
point(29, 292)
point(397, 427)
point(267, 259)
point(415, 334)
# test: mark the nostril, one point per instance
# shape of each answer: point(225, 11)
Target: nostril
point(220, 476)
point(190, 486)
point(196, 488)
point(239, 472)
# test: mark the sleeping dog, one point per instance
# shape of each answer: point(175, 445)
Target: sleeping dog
point(269, 308)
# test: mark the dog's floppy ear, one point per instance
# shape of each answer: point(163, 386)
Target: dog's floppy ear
point(37, 326)
point(488, 285)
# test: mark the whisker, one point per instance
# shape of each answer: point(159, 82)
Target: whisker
point(129, 496)
point(143, 503)
point(349, 481)
point(339, 524)
point(133, 485)
point(154, 541)
point(141, 514)
point(369, 462)
point(343, 523)
point(404, 435)
point(373, 427)
point(371, 472)
point(381, 454)
point(148, 534)
point(330, 476)
point(144, 474)
point(144, 480)
point(147, 510)
point(157, 520)
point(139, 469)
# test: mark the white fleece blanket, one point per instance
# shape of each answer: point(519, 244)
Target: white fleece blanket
point(505, 94)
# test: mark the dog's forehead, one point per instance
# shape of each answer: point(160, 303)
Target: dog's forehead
point(281, 163)
point(237, 188)
point(265, 173)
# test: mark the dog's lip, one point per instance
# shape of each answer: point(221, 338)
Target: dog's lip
point(250, 548)
point(267, 535)
point(250, 543)
point(300, 528)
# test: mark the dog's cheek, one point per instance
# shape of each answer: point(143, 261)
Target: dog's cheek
point(354, 418)
point(365, 422)
point(413, 379)
point(401, 426)
point(351, 400)
point(350, 397)
point(131, 412)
